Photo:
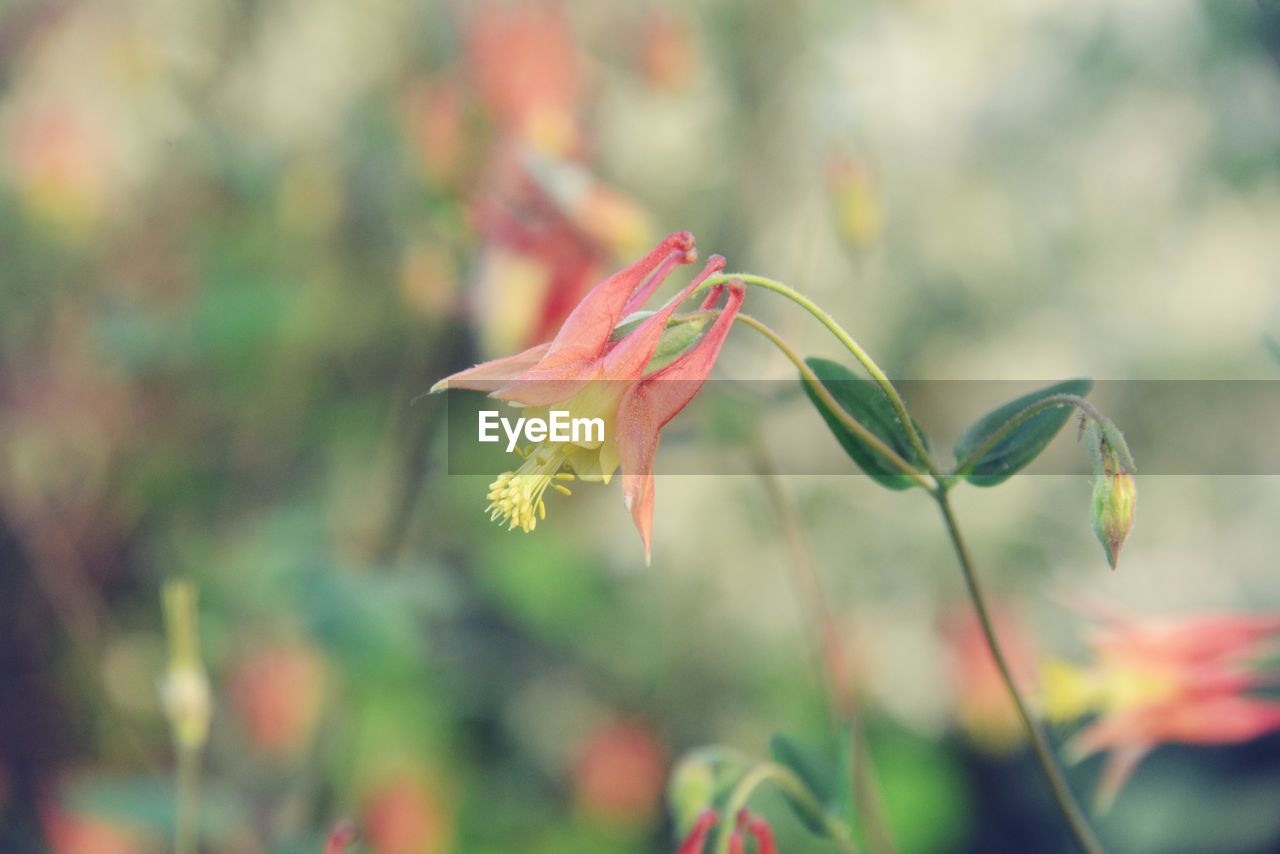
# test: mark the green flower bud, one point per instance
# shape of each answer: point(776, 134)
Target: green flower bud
point(692, 788)
point(1115, 496)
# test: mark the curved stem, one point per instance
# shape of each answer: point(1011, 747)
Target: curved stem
point(820, 391)
point(795, 789)
point(1071, 811)
point(1050, 402)
point(849, 343)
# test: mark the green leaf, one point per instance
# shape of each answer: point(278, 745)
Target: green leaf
point(828, 776)
point(814, 770)
point(1015, 450)
point(866, 402)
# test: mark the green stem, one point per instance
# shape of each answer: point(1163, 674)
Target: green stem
point(820, 391)
point(1050, 402)
point(1071, 811)
point(186, 839)
point(850, 344)
point(795, 789)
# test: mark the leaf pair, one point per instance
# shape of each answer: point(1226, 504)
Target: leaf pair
point(1001, 443)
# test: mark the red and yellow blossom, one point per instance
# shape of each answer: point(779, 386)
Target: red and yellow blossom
point(586, 372)
point(1156, 682)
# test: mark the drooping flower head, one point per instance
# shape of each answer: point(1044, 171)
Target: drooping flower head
point(1156, 682)
point(590, 372)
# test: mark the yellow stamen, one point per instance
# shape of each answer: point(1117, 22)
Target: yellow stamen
point(516, 496)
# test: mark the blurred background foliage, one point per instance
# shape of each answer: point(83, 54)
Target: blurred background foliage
point(238, 237)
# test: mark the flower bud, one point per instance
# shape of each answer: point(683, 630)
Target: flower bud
point(692, 788)
point(184, 690)
point(1114, 498)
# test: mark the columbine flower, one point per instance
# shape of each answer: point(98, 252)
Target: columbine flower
point(1164, 681)
point(586, 373)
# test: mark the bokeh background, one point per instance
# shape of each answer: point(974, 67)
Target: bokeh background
point(238, 237)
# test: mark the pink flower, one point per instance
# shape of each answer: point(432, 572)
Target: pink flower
point(1157, 682)
point(587, 373)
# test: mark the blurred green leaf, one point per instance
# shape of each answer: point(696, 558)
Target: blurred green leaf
point(825, 775)
point(1023, 443)
point(1273, 345)
point(924, 791)
point(148, 802)
point(867, 403)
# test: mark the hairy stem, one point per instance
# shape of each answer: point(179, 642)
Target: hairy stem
point(1071, 812)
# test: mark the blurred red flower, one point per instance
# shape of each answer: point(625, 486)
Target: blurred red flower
point(403, 814)
point(620, 773)
point(276, 694)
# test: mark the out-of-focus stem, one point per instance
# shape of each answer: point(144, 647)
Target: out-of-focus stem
point(1071, 812)
point(829, 652)
point(186, 837)
point(185, 693)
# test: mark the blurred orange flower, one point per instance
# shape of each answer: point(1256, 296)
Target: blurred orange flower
point(525, 66)
point(276, 693)
point(404, 814)
point(1155, 682)
point(983, 706)
point(620, 773)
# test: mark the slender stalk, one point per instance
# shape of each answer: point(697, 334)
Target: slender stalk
point(829, 653)
point(1071, 812)
point(186, 837)
point(849, 343)
point(796, 790)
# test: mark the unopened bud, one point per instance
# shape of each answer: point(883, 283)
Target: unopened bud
point(692, 788)
point(184, 690)
point(1114, 498)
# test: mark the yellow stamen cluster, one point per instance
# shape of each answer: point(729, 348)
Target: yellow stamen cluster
point(516, 496)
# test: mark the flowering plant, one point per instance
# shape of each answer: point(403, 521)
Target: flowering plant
point(600, 366)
